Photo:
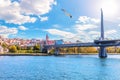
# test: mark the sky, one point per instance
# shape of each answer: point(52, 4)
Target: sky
point(33, 19)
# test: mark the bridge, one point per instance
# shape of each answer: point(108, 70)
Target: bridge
point(89, 44)
point(102, 43)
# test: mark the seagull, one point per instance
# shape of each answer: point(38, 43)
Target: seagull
point(66, 13)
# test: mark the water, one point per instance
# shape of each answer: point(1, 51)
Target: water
point(72, 67)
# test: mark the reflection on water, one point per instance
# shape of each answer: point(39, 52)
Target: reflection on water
point(70, 67)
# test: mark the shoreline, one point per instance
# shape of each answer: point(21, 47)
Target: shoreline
point(28, 54)
point(44, 54)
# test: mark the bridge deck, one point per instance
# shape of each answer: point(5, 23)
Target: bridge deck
point(90, 44)
point(106, 41)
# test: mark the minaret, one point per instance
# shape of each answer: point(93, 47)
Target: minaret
point(47, 39)
point(102, 26)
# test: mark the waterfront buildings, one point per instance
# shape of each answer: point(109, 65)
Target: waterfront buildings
point(24, 43)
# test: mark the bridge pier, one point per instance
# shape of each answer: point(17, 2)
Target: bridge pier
point(48, 51)
point(57, 51)
point(45, 50)
point(41, 48)
point(102, 52)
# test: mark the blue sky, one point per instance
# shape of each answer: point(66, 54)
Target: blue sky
point(36, 18)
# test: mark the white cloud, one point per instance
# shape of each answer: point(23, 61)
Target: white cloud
point(69, 36)
point(5, 31)
point(95, 20)
point(43, 18)
point(11, 13)
point(83, 28)
point(109, 32)
point(22, 28)
point(83, 19)
point(94, 32)
point(56, 26)
point(61, 33)
point(86, 20)
point(94, 35)
point(85, 23)
point(79, 27)
point(38, 7)
point(118, 24)
point(19, 12)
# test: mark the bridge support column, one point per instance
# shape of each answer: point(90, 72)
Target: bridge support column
point(48, 51)
point(41, 48)
point(57, 51)
point(102, 52)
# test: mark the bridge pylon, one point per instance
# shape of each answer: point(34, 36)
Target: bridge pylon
point(57, 51)
point(102, 50)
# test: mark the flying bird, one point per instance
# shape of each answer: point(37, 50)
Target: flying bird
point(66, 13)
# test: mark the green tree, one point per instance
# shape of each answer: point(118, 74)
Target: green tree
point(30, 48)
point(4, 45)
point(12, 49)
point(36, 47)
point(18, 47)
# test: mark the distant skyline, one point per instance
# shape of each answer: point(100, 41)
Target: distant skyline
point(35, 18)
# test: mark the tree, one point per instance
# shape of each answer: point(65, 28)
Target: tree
point(30, 48)
point(36, 47)
point(12, 49)
point(4, 45)
point(18, 47)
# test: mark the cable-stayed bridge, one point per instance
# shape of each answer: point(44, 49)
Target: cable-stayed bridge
point(102, 43)
point(89, 44)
